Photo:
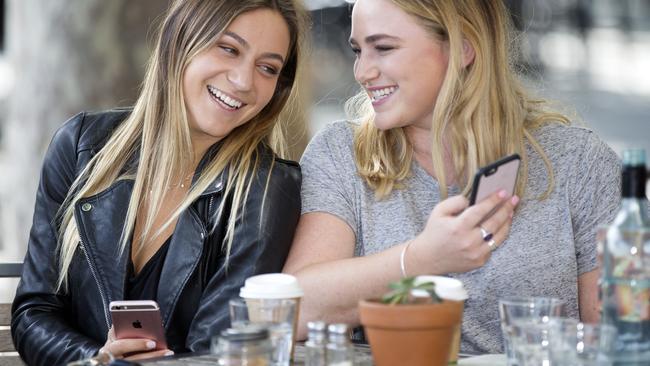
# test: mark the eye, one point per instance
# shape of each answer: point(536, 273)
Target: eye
point(228, 49)
point(270, 70)
point(384, 48)
point(355, 50)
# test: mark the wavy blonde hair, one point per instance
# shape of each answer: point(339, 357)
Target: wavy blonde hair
point(482, 110)
point(157, 131)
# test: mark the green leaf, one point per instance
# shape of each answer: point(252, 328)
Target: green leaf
point(401, 291)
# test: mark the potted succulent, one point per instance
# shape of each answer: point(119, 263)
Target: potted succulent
point(413, 324)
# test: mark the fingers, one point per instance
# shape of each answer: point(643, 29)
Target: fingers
point(476, 214)
point(111, 334)
point(501, 234)
point(120, 347)
point(152, 354)
point(500, 221)
point(501, 216)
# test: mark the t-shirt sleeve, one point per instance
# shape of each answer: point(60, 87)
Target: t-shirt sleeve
point(328, 171)
point(595, 197)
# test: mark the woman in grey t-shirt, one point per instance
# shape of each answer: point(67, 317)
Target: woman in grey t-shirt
point(439, 100)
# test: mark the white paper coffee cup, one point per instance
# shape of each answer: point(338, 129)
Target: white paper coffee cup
point(271, 286)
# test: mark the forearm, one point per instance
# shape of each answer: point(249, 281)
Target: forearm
point(333, 289)
point(42, 338)
point(588, 296)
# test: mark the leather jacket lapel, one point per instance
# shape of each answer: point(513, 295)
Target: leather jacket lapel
point(182, 258)
point(100, 219)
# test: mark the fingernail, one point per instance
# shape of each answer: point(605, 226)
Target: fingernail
point(151, 345)
point(169, 353)
point(503, 193)
point(514, 200)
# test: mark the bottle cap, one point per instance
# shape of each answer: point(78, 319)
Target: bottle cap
point(271, 286)
point(317, 326)
point(634, 157)
point(338, 328)
point(246, 333)
point(446, 288)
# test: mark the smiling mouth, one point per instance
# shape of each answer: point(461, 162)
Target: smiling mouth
point(380, 94)
point(230, 102)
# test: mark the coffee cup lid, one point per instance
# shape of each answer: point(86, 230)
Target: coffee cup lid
point(447, 288)
point(271, 286)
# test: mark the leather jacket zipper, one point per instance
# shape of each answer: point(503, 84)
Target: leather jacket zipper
point(99, 287)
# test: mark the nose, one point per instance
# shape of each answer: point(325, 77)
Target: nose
point(365, 69)
point(241, 77)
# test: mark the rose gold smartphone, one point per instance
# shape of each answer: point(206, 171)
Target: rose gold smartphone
point(501, 174)
point(138, 319)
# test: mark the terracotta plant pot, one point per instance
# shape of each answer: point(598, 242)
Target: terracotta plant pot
point(413, 335)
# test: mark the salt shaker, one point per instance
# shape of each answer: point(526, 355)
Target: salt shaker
point(340, 351)
point(248, 345)
point(315, 345)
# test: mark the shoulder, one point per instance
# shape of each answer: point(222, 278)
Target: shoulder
point(337, 132)
point(98, 126)
point(90, 130)
point(334, 141)
point(574, 152)
point(569, 142)
point(282, 170)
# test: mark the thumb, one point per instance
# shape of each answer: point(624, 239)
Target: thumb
point(452, 206)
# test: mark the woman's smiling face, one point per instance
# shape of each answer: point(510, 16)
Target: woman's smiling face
point(399, 63)
point(228, 84)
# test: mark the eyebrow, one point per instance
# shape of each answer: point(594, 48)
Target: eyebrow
point(245, 44)
point(376, 38)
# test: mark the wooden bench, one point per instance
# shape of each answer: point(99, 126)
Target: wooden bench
point(8, 354)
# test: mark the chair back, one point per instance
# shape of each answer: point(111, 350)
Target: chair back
point(8, 354)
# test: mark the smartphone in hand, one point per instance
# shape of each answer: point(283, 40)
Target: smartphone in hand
point(138, 319)
point(500, 175)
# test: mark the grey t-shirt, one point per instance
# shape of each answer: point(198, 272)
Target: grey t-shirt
point(550, 244)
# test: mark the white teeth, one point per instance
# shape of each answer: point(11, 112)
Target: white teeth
point(233, 103)
point(382, 93)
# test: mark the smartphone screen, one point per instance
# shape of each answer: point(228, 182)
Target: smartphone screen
point(138, 319)
point(500, 175)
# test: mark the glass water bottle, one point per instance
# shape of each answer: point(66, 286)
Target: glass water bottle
point(625, 281)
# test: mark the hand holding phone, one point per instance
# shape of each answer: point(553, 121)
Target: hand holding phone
point(138, 319)
point(500, 175)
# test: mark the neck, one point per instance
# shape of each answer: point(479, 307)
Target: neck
point(421, 141)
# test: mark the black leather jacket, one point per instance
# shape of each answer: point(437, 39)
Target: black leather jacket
point(52, 328)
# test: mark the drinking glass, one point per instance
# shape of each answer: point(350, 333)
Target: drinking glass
point(275, 314)
point(532, 339)
point(583, 345)
point(522, 310)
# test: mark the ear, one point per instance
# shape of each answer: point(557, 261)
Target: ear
point(468, 53)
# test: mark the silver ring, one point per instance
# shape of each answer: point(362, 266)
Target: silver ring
point(487, 236)
point(492, 245)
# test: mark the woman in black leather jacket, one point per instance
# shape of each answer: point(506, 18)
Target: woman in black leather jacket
point(177, 200)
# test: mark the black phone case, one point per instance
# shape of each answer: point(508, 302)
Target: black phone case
point(487, 171)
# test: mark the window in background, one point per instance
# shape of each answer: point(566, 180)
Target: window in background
point(2, 26)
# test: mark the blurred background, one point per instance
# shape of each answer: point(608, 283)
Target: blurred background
point(60, 57)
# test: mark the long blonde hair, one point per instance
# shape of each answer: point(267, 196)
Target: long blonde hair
point(157, 130)
point(482, 110)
